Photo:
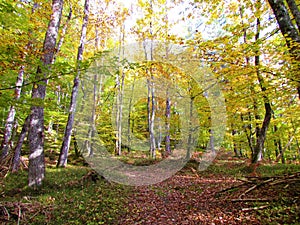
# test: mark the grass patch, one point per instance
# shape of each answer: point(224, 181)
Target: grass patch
point(278, 169)
point(64, 198)
point(240, 169)
point(220, 168)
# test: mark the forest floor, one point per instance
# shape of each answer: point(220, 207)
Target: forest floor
point(228, 192)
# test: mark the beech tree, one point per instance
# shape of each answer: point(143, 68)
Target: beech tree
point(289, 31)
point(261, 132)
point(36, 168)
point(63, 156)
point(10, 120)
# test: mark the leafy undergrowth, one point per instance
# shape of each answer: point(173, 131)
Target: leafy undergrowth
point(228, 192)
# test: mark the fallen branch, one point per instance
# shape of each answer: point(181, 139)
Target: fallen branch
point(284, 181)
point(256, 186)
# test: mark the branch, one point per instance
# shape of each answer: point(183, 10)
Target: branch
point(283, 150)
point(255, 208)
point(249, 200)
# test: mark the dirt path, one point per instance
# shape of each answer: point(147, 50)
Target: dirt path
point(186, 200)
point(212, 197)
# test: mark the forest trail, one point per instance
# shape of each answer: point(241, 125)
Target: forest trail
point(209, 198)
point(185, 200)
point(227, 192)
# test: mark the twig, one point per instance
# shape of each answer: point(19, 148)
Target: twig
point(284, 180)
point(255, 208)
point(230, 188)
point(249, 200)
point(245, 181)
point(19, 215)
point(6, 211)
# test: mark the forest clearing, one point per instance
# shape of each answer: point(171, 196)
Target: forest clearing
point(149, 112)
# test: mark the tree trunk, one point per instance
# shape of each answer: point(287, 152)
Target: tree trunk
point(295, 11)
point(12, 111)
point(63, 156)
point(168, 115)
point(151, 94)
point(151, 110)
point(261, 132)
point(249, 135)
point(237, 153)
point(286, 25)
point(63, 33)
point(17, 153)
point(278, 146)
point(212, 141)
point(118, 122)
point(168, 106)
point(129, 117)
point(120, 92)
point(159, 135)
point(152, 117)
point(11, 115)
point(258, 149)
point(36, 168)
point(289, 31)
point(190, 130)
point(94, 115)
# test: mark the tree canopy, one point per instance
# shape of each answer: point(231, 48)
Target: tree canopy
point(251, 48)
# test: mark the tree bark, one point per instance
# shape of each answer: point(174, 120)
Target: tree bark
point(289, 31)
point(63, 33)
point(190, 130)
point(261, 132)
point(36, 168)
point(152, 117)
point(63, 156)
point(295, 11)
point(278, 146)
point(129, 124)
point(168, 106)
point(286, 25)
point(120, 79)
point(17, 153)
point(11, 115)
point(168, 115)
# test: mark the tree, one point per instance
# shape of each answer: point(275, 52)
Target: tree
point(261, 132)
point(245, 62)
point(289, 31)
point(10, 120)
point(120, 78)
point(63, 156)
point(36, 168)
